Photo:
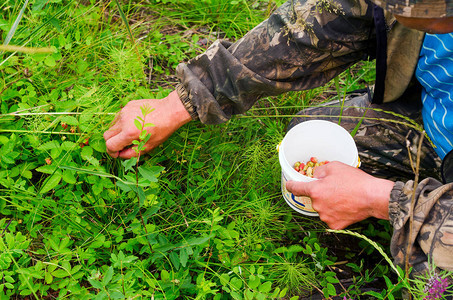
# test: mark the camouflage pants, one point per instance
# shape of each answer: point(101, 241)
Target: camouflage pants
point(387, 136)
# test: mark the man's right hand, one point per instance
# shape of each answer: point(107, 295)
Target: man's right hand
point(168, 115)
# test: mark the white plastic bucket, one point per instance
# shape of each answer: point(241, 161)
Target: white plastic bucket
point(324, 140)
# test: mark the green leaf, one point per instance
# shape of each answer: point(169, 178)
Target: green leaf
point(283, 292)
point(46, 169)
point(175, 260)
point(50, 61)
point(374, 294)
point(152, 210)
point(183, 257)
point(9, 286)
point(87, 152)
point(331, 289)
point(388, 282)
point(265, 287)
point(68, 146)
point(48, 278)
point(49, 146)
point(150, 173)
point(236, 283)
point(197, 240)
point(98, 145)
point(141, 196)
point(51, 182)
point(129, 163)
point(108, 276)
point(164, 275)
point(69, 177)
point(143, 135)
point(116, 295)
point(70, 120)
point(96, 284)
point(249, 294)
point(254, 281)
point(281, 250)
point(332, 279)
point(295, 248)
point(60, 273)
point(82, 65)
point(92, 160)
point(138, 125)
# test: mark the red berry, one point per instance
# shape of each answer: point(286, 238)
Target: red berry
point(64, 125)
point(313, 159)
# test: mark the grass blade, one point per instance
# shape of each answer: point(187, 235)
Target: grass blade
point(129, 31)
point(123, 17)
point(11, 48)
point(13, 29)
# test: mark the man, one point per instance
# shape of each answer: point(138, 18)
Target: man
point(303, 45)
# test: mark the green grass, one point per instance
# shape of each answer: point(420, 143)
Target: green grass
point(204, 220)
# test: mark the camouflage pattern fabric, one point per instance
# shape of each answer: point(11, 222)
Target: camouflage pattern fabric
point(417, 8)
point(303, 45)
point(385, 137)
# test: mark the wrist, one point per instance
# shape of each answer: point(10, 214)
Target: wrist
point(182, 116)
point(183, 96)
point(379, 195)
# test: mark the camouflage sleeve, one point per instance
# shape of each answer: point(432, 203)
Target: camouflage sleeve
point(302, 45)
point(431, 239)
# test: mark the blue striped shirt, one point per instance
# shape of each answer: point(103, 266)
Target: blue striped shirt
point(435, 73)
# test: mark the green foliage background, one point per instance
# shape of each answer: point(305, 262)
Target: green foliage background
point(199, 217)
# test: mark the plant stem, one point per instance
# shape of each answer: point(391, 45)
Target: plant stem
point(411, 215)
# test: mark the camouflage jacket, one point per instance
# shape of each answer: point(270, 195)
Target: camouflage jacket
point(303, 45)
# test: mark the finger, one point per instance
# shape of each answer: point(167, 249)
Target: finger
point(115, 120)
point(113, 154)
point(118, 142)
point(112, 131)
point(320, 172)
point(127, 153)
point(298, 188)
point(130, 152)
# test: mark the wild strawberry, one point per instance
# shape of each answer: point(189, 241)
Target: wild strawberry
point(48, 161)
point(73, 129)
point(84, 143)
point(323, 162)
point(309, 167)
point(64, 125)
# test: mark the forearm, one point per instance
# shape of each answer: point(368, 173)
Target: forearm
point(297, 48)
